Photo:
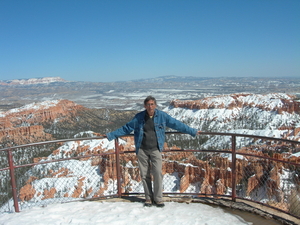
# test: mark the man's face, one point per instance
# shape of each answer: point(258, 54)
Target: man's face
point(150, 107)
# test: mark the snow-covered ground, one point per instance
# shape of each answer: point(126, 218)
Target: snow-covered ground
point(118, 213)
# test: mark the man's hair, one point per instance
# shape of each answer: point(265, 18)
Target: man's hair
point(149, 98)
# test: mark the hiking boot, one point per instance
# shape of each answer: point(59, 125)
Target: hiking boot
point(160, 204)
point(148, 203)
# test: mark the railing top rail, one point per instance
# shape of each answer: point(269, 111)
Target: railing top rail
point(104, 136)
point(245, 135)
point(232, 166)
point(52, 142)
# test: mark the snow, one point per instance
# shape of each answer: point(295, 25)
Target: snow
point(296, 154)
point(118, 213)
point(257, 116)
point(32, 106)
point(44, 80)
point(135, 213)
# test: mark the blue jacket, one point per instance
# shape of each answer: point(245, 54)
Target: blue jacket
point(161, 121)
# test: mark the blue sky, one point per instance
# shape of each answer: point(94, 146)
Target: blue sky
point(111, 40)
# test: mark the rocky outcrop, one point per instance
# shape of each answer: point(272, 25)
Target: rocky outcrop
point(27, 192)
point(271, 102)
point(212, 176)
point(56, 119)
point(24, 135)
point(24, 125)
point(37, 113)
point(44, 80)
point(22, 131)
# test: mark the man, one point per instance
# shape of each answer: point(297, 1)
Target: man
point(149, 137)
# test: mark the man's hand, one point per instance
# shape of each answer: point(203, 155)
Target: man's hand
point(198, 132)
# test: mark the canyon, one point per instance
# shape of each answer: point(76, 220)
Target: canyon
point(184, 172)
point(270, 114)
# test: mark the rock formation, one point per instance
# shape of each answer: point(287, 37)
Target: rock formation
point(24, 125)
point(272, 102)
point(212, 176)
point(44, 80)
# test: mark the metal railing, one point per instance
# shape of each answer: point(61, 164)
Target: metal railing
point(260, 169)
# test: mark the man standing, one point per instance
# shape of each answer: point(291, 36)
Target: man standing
point(149, 137)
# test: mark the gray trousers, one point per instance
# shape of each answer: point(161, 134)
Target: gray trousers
point(151, 161)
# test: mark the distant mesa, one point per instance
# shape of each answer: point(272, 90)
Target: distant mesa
point(43, 80)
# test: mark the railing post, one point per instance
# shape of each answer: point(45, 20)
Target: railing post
point(13, 180)
point(233, 166)
point(118, 167)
